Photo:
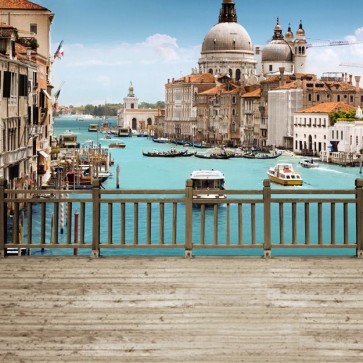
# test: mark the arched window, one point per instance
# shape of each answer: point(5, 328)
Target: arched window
point(210, 71)
point(134, 124)
point(149, 121)
point(238, 74)
point(230, 73)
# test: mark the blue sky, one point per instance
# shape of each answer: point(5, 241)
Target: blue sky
point(110, 43)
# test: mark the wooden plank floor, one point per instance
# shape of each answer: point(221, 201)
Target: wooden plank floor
point(161, 309)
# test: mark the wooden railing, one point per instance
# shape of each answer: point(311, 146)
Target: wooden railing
point(98, 220)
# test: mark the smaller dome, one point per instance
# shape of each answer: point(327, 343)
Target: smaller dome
point(277, 51)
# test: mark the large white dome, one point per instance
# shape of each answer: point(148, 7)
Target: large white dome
point(227, 37)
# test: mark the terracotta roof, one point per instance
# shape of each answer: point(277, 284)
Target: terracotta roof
point(253, 94)
point(328, 107)
point(197, 78)
point(20, 5)
point(6, 30)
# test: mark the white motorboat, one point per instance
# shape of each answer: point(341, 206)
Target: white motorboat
point(308, 163)
point(208, 182)
point(284, 174)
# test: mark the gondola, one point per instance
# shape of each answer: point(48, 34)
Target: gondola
point(213, 156)
point(166, 154)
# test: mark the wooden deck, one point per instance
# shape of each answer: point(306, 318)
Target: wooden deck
point(161, 309)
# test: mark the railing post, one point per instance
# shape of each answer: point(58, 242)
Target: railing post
point(188, 218)
point(3, 217)
point(96, 218)
point(267, 218)
point(359, 217)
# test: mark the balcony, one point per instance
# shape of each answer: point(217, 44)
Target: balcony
point(15, 156)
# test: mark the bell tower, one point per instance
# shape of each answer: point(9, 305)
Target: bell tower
point(228, 12)
point(131, 101)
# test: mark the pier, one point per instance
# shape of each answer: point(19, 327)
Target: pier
point(175, 309)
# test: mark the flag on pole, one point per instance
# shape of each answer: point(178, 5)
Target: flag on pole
point(59, 53)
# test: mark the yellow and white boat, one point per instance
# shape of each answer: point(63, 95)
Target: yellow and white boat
point(284, 174)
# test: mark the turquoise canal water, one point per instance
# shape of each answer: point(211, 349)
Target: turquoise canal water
point(140, 172)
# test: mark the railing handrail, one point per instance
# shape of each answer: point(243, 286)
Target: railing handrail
point(265, 198)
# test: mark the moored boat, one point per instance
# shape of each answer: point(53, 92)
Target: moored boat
point(68, 140)
point(119, 145)
point(167, 154)
point(92, 127)
point(208, 182)
point(284, 174)
point(161, 140)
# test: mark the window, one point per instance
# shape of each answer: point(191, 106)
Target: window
point(270, 67)
point(34, 28)
point(309, 96)
point(341, 136)
point(318, 98)
point(338, 98)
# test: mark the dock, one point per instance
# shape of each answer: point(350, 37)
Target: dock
point(176, 309)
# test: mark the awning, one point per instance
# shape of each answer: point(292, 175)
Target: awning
point(43, 153)
point(47, 94)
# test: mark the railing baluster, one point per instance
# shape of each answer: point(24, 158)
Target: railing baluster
point(161, 222)
point(175, 220)
point(293, 221)
point(307, 223)
point(228, 225)
point(281, 220)
point(136, 223)
point(215, 234)
point(43, 222)
point(202, 224)
point(332, 223)
point(346, 225)
point(69, 223)
point(29, 212)
point(82, 218)
point(320, 220)
point(110, 223)
point(240, 225)
point(54, 237)
point(123, 223)
point(148, 224)
point(253, 223)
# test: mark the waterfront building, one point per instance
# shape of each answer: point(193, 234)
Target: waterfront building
point(33, 24)
point(18, 158)
point(314, 131)
point(253, 132)
point(134, 118)
point(219, 112)
point(180, 104)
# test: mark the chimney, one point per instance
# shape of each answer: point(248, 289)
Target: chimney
point(357, 81)
point(350, 79)
point(282, 79)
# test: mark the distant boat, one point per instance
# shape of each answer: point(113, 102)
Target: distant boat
point(168, 154)
point(308, 163)
point(124, 132)
point(92, 127)
point(119, 145)
point(161, 140)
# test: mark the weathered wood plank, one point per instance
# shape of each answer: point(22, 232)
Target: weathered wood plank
point(170, 309)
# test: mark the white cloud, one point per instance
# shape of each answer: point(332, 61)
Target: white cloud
point(94, 72)
point(343, 59)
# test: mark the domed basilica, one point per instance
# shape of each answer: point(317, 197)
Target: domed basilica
point(227, 49)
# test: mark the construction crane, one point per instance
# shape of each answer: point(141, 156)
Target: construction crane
point(359, 65)
point(333, 43)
